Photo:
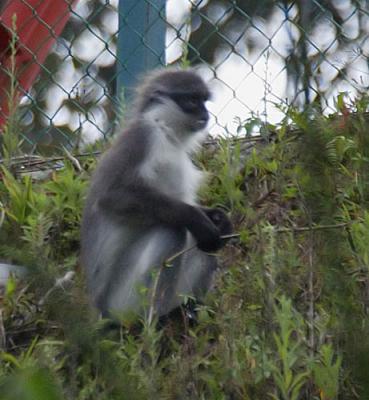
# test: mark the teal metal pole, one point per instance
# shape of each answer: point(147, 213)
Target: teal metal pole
point(141, 41)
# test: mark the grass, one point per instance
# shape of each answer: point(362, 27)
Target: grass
point(288, 315)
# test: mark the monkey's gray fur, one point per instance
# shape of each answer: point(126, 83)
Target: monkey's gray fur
point(141, 208)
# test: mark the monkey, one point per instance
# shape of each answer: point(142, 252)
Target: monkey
point(141, 207)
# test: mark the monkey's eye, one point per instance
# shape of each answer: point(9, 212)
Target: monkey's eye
point(193, 101)
point(189, 102)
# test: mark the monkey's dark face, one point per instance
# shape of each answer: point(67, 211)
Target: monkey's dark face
point(178, 99)
point(192, 104)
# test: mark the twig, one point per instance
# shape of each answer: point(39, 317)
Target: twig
point(230, 236)
point(59, 283)
point(262, 198)
point(2, 332)
point(29, 163)
point(150, 317)
point(312, 228)
point(311, 299)
point(244, 139)
point(73, 159)
point(2, 214)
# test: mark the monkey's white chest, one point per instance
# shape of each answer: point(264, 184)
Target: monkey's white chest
point(170, 170)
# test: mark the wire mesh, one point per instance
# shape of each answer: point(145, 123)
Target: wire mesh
point(258, 57)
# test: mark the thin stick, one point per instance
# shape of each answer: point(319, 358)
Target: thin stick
point(312, 228)
point(2, 332)
point(153, 294)
point(74, 160)
point(2, 214)
point(311, 297)
point(29, 163)
point(59, 283)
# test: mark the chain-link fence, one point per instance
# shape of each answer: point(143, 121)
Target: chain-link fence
point(257, 55)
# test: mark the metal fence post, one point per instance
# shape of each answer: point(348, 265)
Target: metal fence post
point(141, 41)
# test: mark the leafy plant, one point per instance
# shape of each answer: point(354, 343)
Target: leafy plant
point(21, 197)
point(288, 376)
point(287, 318)
point(326, 373)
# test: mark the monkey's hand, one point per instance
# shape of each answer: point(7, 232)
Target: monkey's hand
point(219, 219)
point(207, 225)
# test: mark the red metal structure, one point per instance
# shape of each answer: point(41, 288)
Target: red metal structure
point(38, 23)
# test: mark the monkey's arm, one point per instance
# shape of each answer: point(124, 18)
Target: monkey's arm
point(151, 206)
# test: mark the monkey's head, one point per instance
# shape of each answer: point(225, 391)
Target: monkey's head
point(176, 98)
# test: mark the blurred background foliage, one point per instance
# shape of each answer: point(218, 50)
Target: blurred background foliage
point(256, 56)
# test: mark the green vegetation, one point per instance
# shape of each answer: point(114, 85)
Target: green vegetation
point(287, 319)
